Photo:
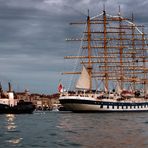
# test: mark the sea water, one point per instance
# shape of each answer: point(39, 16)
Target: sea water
point(65, 129)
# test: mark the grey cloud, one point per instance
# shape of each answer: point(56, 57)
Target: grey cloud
point(33, 32)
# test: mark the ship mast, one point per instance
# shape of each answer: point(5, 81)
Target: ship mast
point(145, 71)
point(89, 50)
point(121, 50)
point(115, 47)
point(133, 53)
point(105, 51)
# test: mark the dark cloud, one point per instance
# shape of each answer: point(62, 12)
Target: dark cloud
point(33, 32)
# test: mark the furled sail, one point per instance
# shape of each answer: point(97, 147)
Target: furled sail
point(84, 80)
point(118, 88)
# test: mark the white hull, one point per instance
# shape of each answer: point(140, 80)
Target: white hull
point(85, 104)
point(97, 108)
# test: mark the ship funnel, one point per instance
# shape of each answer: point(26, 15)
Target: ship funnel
point(9, 87)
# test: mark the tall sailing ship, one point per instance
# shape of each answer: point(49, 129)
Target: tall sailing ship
point(114, 72)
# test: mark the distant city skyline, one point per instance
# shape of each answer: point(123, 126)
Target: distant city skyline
point(33, 33)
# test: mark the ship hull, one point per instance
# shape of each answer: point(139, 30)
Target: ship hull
point(21, 108)
point(83, 105)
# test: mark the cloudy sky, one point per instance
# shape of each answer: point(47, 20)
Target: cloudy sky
point(33, 33)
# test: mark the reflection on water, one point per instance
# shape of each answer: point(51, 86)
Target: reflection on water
point(15, 141)
point(11, 127)
point(103, 130)
point(10, 122)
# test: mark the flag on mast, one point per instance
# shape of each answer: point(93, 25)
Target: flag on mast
point(60, 88)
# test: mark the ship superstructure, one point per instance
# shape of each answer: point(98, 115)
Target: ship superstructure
point(10, 105)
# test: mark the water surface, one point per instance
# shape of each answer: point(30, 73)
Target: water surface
point(66, 129)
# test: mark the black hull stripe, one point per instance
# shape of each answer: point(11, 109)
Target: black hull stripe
point(107, 111)
point(76, 101)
